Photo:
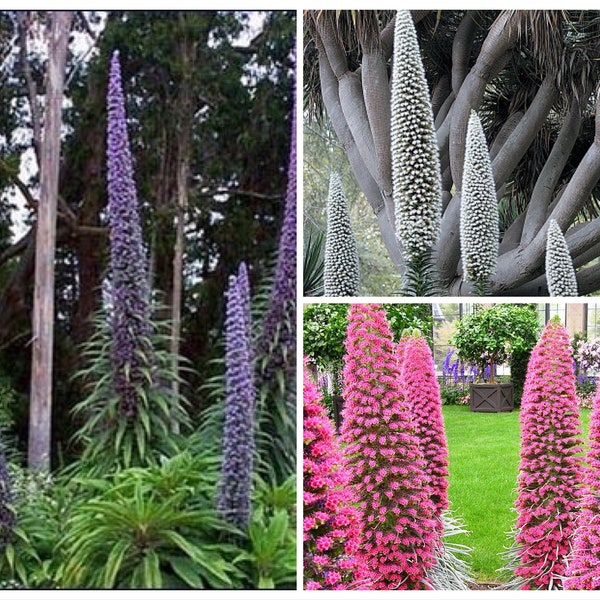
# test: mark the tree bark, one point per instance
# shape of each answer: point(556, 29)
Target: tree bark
point(40, 408)
point(183, 168)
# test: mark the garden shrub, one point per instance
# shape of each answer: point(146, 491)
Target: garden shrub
point(384, 458)
point(490, 336)
point(583, 568)
point(550, 466)
point(332, 524)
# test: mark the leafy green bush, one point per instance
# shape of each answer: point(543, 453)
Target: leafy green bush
point(491, 336)
point(151, 527)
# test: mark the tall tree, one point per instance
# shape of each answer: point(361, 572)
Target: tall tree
point(40, 407)
point(530, 75)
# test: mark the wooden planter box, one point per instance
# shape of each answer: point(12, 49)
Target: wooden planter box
point(491, 397)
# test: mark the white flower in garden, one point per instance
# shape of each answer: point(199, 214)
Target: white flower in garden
point(479, 208)
point(342, 271)
point(416, 180)
point(560, 272)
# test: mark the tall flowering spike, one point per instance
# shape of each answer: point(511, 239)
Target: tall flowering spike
point(238, 435)
point(342, 268)
point(549, 471)
point(130, 286)
point(416, 179)
point(560, 272)
point(332, 524)
point(382, 451)
point(7, 517)
point(583, 570)
point(479, 231)
point(422, 390)
point(279, 326)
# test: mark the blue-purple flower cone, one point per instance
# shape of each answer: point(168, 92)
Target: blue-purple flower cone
point(130, 287)
point(238, 437)
point(278, 338)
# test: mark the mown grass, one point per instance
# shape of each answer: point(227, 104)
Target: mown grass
point(484, 460)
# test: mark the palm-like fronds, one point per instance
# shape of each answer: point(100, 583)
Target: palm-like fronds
point(313, 266)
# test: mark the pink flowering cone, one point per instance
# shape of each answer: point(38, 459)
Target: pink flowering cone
point(583, 571)
point(422, 390)
point(385, 461)
point(549, 472)
point(331, 522)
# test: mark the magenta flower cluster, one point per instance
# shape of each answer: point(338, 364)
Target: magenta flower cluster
point(387, 469)
point(234, 502)
point(583, 569)
point(421, 388)
point(130, 294)
point(550, 467)
point(332, 524)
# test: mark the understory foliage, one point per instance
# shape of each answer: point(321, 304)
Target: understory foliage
point(342, 269)
point(387, 469)
point(583, 565)
point(416, 179)
point(559, 266)
point(332, 524)
point(550, 467)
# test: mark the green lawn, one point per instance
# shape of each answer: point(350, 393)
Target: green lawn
point(484, 459)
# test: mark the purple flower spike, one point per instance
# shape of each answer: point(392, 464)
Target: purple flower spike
point(130, 286)
point(279, 326)
point(238, 436)
point(7, 517)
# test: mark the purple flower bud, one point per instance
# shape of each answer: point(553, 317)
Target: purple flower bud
point(238, 436)
point(130, 288)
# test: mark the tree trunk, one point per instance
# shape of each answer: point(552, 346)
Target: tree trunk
point(40, 408)
point(188, 48)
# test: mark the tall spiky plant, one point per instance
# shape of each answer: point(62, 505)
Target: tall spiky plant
point(583, 568)
point(422, 391)
point(421, 388)
point(416, 178)
point(238, 434)
point(130, 404)
point(479, 232)
point(549, 471)
point(332, 524)
point(384, 458)
point(560, 273)
point(342, 267)
point(277, 341)
point(130, 292)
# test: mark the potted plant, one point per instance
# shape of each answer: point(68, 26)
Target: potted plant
point(489, 337)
